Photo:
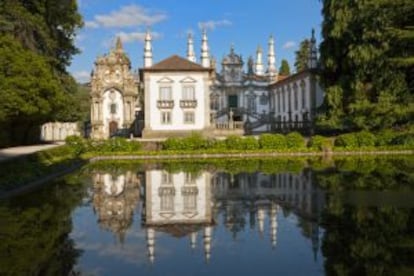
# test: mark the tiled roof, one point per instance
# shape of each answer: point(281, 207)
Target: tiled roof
point(176, 63)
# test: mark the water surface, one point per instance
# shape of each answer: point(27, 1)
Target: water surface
point(249, 217)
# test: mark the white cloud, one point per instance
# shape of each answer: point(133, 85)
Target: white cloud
point(212, 24)
point(127, 16)
point(82, 76)
point(91, 24)
point(289, 45)
point(135, 36)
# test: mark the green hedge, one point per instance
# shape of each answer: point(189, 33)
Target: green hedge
point(80, 145)
point(365, 139)
point(385, 137)
point(322, 143)
point(406, 139)
point(348, 140)
point(193, 142)
point(295, 140)
point(272, 141)
point(292, 141)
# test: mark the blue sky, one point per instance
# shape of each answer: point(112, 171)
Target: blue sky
point(246, 24)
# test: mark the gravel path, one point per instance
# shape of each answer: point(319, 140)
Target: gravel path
point(9, 153)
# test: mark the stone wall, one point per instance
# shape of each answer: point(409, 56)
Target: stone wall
point(58, 131)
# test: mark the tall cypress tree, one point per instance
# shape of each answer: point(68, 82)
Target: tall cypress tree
point(284, 68)
point(367, 59)
point(302, 56)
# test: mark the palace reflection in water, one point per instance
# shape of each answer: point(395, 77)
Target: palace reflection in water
point(184, 204)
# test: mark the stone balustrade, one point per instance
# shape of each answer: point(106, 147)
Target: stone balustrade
point(230, 125)
point(188, 103)
point(165, 104)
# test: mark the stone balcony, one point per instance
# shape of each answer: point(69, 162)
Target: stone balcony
point(228, 128)
point(165, 104)
point(230, 125)
point(188, 103)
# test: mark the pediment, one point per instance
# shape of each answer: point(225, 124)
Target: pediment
point(190, 214)
point(165, 80)
point(167, 215)
point(188, 80)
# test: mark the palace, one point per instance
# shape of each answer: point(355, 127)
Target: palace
point(178, 96)
point(196, 205)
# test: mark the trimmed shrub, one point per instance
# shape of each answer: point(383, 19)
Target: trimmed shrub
point(385, 137)
point(320, 143)
point(117, 144)
point(172, 144)
point(218, 144)
point(193, 142)
point(348, 140)
point(404, 140)
point(272, 141)
point(250, 143)
point(234, 143)
point(365, 139)
point(78, 144)
point(295, 140)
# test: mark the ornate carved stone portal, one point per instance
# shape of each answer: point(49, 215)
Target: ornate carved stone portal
point(114, 94)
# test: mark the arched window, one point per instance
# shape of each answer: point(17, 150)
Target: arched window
point(278, 101)
point(303, 92)
point(263, 99)
point(289, 105)
point(214, 102)
point(251, 102)
point(295, 96)
point(113, 108)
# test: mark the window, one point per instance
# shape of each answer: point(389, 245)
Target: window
point(189, 178)
point(166, 178)
point(251, 102)
point(165, 93)
point(303, 88)
point(295, 96)
point(233, 101)
point(214, 102)
point(165, 118)
point(289, 105)
point(278, 101)
point(263, 99)
point(112, 107)
point(188, 93)
point(189, 118)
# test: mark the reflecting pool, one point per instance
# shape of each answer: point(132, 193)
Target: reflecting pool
point(240, 217)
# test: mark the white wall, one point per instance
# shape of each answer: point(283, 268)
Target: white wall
point(156, 80)
point(112, 96)
point(286, 88)
point(153, 201)
point(58, 131)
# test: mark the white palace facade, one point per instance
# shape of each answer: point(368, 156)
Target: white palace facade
point(195, 205)
point(178, 95)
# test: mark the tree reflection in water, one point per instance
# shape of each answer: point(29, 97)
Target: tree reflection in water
point(359, 211)
point(34, 231)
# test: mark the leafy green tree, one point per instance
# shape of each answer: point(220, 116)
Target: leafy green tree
point(367, 58)
point(30, 93)
point(284, 68)
point(36, 45)
point(47, 27)
point(302, 56)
